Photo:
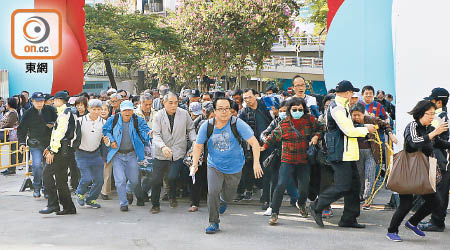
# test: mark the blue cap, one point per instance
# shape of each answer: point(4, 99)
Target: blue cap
point(38, 96)
point(126, 105)
point(195, 108)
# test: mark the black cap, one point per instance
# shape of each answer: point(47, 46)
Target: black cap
point(439, 93)
point(194, 93)
point(61, 95)
point(38, 96)
point(345, 86)
point(47, 97)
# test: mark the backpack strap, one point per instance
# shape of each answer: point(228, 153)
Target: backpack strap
point(210, 128)
point(136, 126)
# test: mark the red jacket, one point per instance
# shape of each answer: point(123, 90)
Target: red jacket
point(294, 148)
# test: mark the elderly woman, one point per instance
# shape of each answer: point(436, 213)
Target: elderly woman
point(419, 136)
point(296, 133)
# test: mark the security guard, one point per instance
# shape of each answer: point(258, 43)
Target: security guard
point(56, 159)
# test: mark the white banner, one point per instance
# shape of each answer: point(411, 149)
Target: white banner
point(421, 38)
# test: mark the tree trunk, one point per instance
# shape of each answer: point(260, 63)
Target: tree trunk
point(110, 73)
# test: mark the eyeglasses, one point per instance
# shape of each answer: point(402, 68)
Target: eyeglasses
point(295, 110)
point(430, 114)
point(223, 110)
point(299, 85)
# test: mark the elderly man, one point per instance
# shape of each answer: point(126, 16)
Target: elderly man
point(127, 135)
point(171, 126)
point(300, 91)
point(114, 102)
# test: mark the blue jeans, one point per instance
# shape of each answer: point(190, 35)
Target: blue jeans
point(37, 167)
point(303, 172)
point(125, 169)
point(91, 168)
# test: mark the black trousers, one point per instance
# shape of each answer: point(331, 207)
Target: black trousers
point(75, 173)
point(201, 183)
point(406, 203)
point(55, 183)
point(439, 212)
point(346, 184)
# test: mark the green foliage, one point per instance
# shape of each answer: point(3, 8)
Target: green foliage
point(319, 9)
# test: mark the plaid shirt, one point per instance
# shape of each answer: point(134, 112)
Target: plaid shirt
point(294, 148)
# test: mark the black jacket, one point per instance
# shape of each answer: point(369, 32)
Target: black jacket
point(249, 116)
point(417, 138)
point(34, 125)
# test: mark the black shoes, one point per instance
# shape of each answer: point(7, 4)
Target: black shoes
point(124, 208)
point(140, 203)
point(67, 211)
point(430, 227)
point(155, 210)
point(352, 225)
point(49, 210)
point(316, 215)
point(130, 198)
point(173, 203)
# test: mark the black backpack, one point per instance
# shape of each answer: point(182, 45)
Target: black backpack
point(134, 117)
point(233, 121)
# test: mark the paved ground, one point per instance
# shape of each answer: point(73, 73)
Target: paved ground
point(243, 227)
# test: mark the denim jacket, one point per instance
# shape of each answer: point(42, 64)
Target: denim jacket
point(137, 143)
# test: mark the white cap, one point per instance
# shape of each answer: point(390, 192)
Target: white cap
point(111, 90)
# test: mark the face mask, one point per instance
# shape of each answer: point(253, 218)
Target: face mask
point(297, 115)
point(282, 115)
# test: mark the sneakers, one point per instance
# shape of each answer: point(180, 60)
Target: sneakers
point(124, 208)
point(238, 197)
point(247, 195)
point(328, 213)
point(193, 209)
point(37, 193)
point(302, 210)
point(173, 203)
point(155, 210)
point(268, 212)
point(80, 200)
point(93, 204)
point(393, 237)
point(415, 229)
point(212, 229)
point(273, 219)
point(366, 206)
point(223, 207)
point(430, 227)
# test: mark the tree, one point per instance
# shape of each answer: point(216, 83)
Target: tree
point(319, 10)
point(220, 36)
point(121, 38)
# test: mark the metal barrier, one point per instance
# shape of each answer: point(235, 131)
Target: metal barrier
point(10, 148)
point(302, 41)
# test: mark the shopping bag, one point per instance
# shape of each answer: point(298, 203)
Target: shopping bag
point(412, 173)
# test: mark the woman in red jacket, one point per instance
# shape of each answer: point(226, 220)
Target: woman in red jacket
point(296, 133)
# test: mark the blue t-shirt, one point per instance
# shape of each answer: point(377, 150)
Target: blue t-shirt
point(224, 151)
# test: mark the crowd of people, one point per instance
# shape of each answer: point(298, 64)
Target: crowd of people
point(225, 146)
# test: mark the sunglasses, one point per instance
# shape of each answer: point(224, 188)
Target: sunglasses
point(295, 110)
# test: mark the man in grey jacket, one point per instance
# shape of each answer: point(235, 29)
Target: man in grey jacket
point(171, 127)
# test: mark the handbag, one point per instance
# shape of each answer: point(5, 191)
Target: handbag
point(412, 173)
point(312, 149)
point(273, 157)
